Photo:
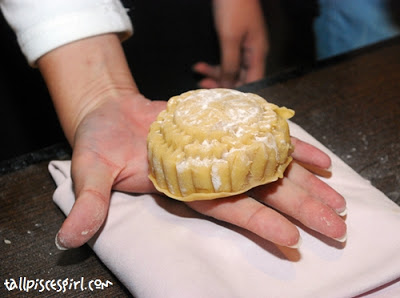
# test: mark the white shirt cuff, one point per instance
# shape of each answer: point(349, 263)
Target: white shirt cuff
point(51, 30)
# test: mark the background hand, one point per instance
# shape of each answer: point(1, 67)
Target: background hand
point(243, 41)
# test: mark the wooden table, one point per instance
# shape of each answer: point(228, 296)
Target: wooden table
point(350, 103)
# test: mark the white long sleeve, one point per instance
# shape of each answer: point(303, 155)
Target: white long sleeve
point(43, 25)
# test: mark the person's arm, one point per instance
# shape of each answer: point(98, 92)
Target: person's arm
point(83, 74)
point(41, 27)
point(107, 120)
point(243, 39)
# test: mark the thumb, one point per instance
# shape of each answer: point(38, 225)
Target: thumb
point(93, 180)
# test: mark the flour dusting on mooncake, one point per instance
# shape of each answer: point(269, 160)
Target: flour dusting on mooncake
point(215, 143)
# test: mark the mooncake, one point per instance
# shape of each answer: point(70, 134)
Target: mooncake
point(216, 143)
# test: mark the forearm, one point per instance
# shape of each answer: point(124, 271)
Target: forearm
point(82, 74)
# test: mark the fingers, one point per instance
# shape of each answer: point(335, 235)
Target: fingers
point(216, 78)
point(211, 74)
point(309, 154)
point(239, 64)
point(230, 61)
point(294, 200)
point(316, 188)
point(207, 70)
point(93, 181)
point(251, 215)
point(226, 75)
point(208, 84)
point(254, 61)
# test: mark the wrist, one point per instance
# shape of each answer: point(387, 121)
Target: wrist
point(84, 74)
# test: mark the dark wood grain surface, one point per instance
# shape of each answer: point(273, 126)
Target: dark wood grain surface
point(350, 103)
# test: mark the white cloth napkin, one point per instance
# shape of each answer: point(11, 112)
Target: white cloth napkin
point(160, 248)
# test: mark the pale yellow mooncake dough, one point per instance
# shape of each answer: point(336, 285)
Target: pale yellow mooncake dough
point(215, 143)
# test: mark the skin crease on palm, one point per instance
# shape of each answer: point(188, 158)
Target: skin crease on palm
point(106, 121)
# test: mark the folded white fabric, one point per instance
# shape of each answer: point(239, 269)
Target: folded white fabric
point(160, 248)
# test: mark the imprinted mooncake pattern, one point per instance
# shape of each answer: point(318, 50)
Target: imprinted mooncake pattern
point(215, 143)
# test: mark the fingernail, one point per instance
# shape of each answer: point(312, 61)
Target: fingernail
point(343, 212)
point(297, 245)
point(342, 239)
point(58, 243)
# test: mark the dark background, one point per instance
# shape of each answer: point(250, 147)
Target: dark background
point(170, 36)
